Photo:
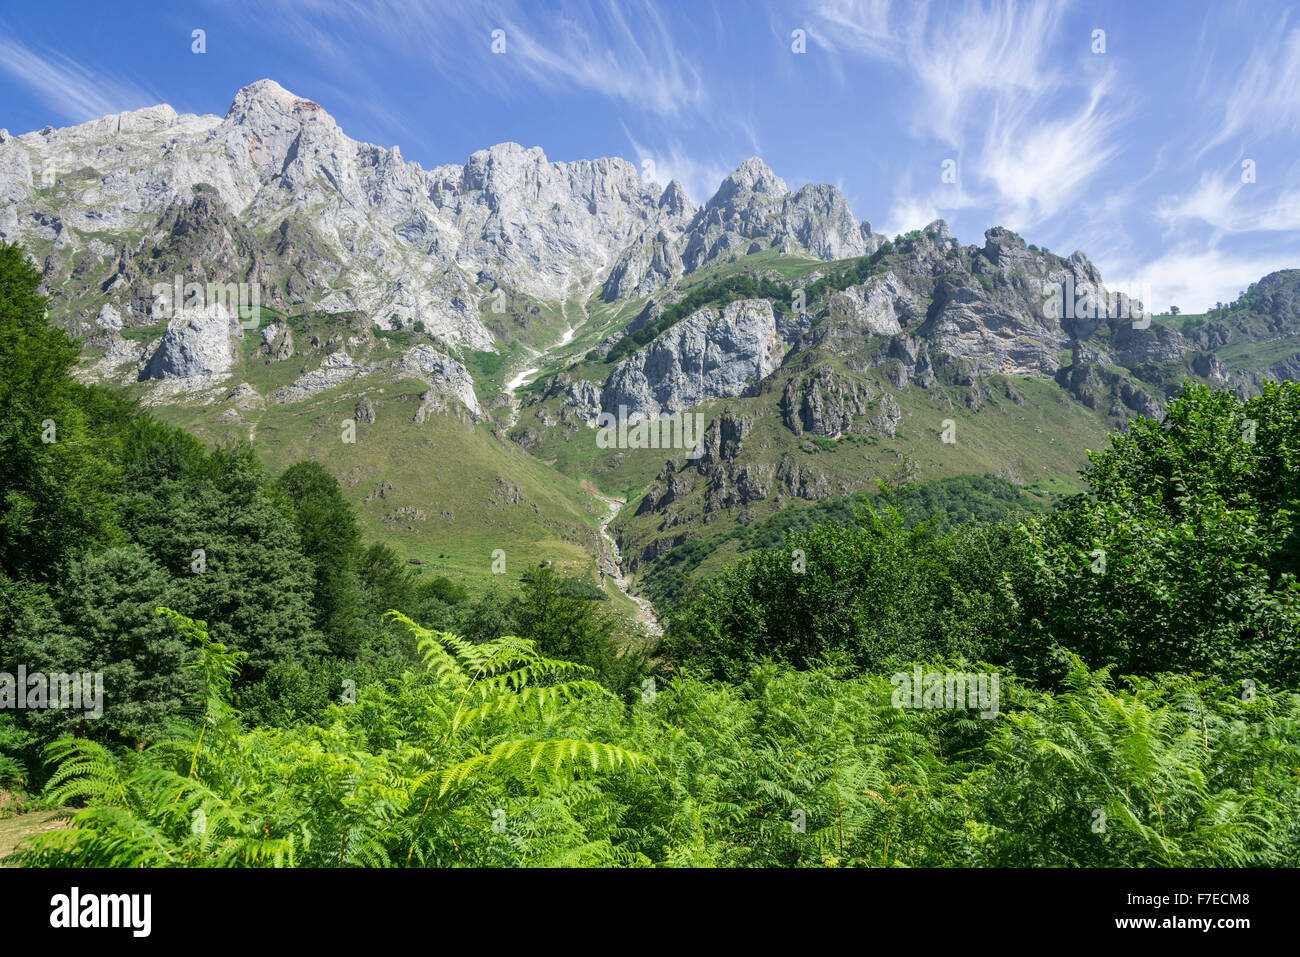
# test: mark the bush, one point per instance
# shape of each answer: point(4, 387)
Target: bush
point(1184, 558)
point(863, 595)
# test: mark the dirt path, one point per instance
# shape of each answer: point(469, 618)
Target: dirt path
point(14, 829)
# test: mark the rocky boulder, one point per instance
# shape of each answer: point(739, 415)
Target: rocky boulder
point(199, 343)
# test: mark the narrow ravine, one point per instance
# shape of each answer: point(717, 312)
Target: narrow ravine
point(645, 611)
point(532, 370)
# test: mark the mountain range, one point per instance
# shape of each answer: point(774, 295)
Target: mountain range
point(468, 326)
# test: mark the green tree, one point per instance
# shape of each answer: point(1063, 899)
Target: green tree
point(229, 544)
point(99, 618)
point(863, 594)
point(1184, 556)
point(56, 473)
point(328, 532)
point(576, 628)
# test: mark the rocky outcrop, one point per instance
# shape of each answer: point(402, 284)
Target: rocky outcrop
point(1158, 343)
point(336, 369)
point(580, 396)
point(445, 375)
point(200, 344)
point(753, 210)
point(244, 397)
point(882, 306)
point(710, 354)
point(830, 405)
point(649, 263)
point(1103, 387)
point(1209, 366)
point(109, 318)
point(723, 438)
point(118, 353)
point(277, 342)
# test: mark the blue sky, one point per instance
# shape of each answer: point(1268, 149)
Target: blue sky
point(1137, 155)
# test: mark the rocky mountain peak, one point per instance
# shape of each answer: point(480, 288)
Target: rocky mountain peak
point(753, 210)
point(1277, 280)
point(267, 99)
point(1002, 246)
point(501, 167)
point(940, 230)
point(675, 202)
point(752, 176)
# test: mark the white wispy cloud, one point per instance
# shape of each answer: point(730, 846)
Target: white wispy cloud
point(1233, 206)
point(862, 26)
point(989, 81)
point(1264, 97)
point(909, 213)
point(915, 209)
point(622, 50)
point(1039, 165)
point(625, 51)
point(76, 92)
point(1193, 276)
point(956, 56)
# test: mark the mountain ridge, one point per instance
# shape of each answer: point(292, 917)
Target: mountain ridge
point(275, 156)
point(823, 356)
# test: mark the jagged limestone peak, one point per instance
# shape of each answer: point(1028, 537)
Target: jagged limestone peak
point(751, 176)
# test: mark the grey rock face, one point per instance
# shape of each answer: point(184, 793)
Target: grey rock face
point(277, 341)
point(109, 318)
point(753, 205)
point(1014, 310)
point(336, 369)
point(830, 405)
point(548, 229)
point(964, 322)
point(198, 344)
point(649, 263)
point(939, 230)
point(580, 396)
point(1154, 344)
point(708, 355)
point(1210, 366)
point(654, 257)
point(1097, 385)
point(447, 380)
point(723, 439)
point(446, 376)
point(120, 362)
point(245, 397)
point(879, 306)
